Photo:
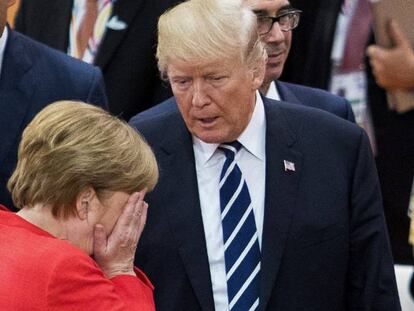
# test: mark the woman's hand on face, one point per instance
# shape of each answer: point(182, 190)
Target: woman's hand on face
point(115, 253)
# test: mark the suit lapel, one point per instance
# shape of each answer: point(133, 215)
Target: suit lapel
point(185, 216)
point(280, 198)
point(286, 94)
point(16, 88)
point(125, 11)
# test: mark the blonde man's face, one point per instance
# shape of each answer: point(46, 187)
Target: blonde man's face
point(216, 100)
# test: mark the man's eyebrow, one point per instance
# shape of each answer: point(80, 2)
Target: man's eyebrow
point(260, 12)
point(287, 7)
point(263, 12)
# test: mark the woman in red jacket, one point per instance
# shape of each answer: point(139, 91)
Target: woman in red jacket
point(80, 183)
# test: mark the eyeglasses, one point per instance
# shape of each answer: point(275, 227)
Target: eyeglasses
point(287, 21)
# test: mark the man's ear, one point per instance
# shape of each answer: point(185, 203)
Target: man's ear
point(259, 72)
point(84, 202)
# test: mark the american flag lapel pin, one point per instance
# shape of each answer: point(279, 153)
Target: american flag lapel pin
point(289, 166)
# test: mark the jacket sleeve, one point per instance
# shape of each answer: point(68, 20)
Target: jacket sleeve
point(77, 283)
point(371, 281)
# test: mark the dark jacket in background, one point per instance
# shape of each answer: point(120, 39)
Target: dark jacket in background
point(126, 57)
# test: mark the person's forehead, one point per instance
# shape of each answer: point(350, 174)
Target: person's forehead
point(269, 6)
point(206, 67)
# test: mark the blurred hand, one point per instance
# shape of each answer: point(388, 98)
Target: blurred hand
point(393, 68)
point(115, 253)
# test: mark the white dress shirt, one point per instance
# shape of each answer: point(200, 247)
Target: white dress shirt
point(3, 40)
point(209, 163)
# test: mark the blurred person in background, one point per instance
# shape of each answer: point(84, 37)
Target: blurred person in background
point(119, 36)
point(276, 21)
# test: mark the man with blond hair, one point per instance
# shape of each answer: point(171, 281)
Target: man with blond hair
point(261, 205)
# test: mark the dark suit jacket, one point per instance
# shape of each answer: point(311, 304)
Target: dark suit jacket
point(315, 98)
point(324, 244)
point(292, 93)
point(32, 77)
point(309, 63)
point(126, 57)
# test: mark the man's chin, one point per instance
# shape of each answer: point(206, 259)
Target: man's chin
point(273, 72)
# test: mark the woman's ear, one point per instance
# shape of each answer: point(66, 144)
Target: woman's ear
point(84, 202)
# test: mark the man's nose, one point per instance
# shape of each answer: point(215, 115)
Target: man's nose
point(276, 35)
point(200, 97)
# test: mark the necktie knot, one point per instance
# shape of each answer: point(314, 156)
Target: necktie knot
point(230, 149)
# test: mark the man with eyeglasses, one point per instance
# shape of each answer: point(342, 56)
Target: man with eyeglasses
point(276, 19)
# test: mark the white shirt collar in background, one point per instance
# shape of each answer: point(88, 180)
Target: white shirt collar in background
point(272, 92)
point(3, 40)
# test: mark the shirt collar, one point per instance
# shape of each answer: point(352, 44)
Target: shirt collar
point(272, 91)
point(3, 40)
point(252, 138)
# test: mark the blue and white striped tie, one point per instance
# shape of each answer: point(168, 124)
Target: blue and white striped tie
point(241, 244)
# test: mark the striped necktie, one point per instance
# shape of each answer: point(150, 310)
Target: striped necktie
point(240, 238)
point(89, 18)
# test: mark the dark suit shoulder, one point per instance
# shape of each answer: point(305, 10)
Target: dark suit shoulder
point(319, 93)
point(314, 125)
point(162, 110)
point(316, 98)
point(58, 76)
point(60, 63)
point(153, 122)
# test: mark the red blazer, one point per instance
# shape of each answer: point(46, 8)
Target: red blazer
point(40, 272)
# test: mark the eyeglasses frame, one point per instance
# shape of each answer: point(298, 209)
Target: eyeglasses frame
point(278, 17)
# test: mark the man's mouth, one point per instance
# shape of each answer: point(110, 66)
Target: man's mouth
point(207, 121)
point(276, 56)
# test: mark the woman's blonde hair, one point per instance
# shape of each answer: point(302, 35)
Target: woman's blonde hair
point(70, 146)
point(207, 31)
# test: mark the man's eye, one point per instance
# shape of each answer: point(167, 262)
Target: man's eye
point(216, 78)
point(181, 81)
